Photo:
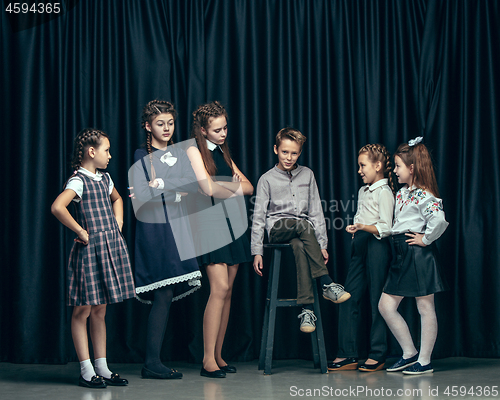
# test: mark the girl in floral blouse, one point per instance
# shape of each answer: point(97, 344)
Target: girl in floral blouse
point(418, 221)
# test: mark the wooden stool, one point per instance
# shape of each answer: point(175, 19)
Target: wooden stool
point(272, 303)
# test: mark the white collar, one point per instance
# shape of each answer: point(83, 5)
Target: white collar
point(96, 177)
point(377, 184)
point(211, 146)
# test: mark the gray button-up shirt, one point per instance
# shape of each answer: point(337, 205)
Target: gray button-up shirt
point(283, 194)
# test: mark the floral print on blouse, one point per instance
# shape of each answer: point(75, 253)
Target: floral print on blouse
point(417, 210)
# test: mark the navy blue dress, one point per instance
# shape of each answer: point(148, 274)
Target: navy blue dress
point(164, 253)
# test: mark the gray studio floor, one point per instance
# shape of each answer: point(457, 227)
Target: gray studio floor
point(467, 378)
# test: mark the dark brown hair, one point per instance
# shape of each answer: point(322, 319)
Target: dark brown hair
point(202, 118)
point(292, 134)
point(423, 171)
point(88, 137)
point(378, 152)
point(149, 113)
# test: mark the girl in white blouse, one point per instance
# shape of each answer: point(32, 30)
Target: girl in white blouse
point(418, 221)
point(370, 259)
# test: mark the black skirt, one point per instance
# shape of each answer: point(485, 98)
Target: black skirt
point(414, 271)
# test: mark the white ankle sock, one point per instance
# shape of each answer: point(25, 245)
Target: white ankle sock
point(101, 367)
point(86, 369)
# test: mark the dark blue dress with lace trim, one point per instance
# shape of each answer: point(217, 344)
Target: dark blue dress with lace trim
point(160, 246)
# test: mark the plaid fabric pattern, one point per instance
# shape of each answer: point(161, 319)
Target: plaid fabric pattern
point(99, 272)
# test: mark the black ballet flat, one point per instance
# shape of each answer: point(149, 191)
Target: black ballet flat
point(218, 373)
point(115, 380)
point(96, 382)
point(228, 369)
point(148, 374)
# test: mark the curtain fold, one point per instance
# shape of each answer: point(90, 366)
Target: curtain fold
point(344, 72)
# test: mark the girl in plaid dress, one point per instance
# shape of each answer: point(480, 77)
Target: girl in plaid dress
point(99, 270)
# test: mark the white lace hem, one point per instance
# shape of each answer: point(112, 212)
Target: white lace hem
point(193, 279)
point(181, 296)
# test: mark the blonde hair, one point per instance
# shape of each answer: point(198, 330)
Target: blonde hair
point(291, 134)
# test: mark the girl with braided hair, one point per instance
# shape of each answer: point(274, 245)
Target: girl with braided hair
point(219, 179)
point(370, 259)
point(161, 177)
point(419, 220)
point(99, 270)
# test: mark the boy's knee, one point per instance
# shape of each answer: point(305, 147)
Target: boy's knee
point(297, 244)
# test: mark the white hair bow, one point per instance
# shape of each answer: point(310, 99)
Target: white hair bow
point(417, 140)
point(168, 158)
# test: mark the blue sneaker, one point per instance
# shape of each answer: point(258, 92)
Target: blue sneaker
point(403, 363)
point(417, 369)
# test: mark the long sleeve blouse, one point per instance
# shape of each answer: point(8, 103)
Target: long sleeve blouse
point(418, 211)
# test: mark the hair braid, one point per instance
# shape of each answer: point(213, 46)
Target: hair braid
point(149, 149)
point(88, 137)
point(202, 118)
point(388, 169)
point(378, 152)
point(154, 108)
point(149, 113)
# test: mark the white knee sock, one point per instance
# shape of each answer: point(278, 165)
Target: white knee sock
point(101, 367)
point(86, 369)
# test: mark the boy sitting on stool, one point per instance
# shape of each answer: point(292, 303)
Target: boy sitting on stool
point(289, 207)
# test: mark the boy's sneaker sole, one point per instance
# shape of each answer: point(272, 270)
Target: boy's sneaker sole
point(307, 329)
point(342, 298)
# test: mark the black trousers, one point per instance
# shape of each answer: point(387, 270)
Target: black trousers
point(370, 260)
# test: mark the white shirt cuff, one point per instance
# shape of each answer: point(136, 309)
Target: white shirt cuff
point(161, 184)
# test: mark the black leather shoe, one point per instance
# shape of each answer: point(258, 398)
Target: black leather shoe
point(349, 364)
point(115, 380)
point(218, 373)
point(172, 374)
point(96, 382)
point(372, 367)
point(228, 369)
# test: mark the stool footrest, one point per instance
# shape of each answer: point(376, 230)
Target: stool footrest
point(286, 303)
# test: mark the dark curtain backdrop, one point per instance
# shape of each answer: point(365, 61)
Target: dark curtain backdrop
point(345, 73)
